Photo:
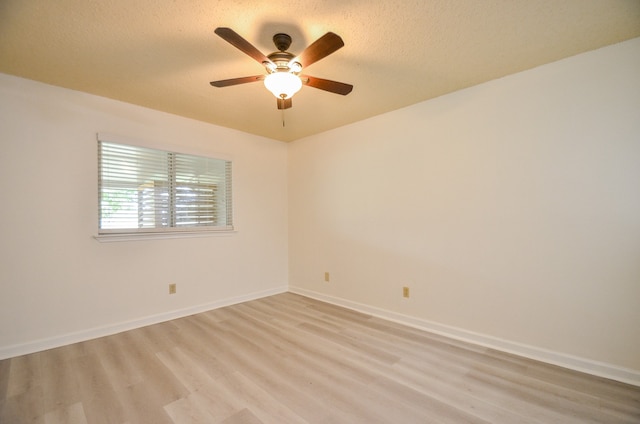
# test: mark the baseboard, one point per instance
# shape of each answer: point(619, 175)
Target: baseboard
point(93, 333)
point(588, 366)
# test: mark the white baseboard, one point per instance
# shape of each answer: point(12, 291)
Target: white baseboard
point(107, 330)
point(588, 366)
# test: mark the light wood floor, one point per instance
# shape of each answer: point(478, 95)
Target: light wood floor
point(290, 359)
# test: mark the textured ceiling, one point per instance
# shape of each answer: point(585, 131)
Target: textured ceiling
point(162, 53)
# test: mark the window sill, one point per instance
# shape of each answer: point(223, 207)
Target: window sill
point(116, 237)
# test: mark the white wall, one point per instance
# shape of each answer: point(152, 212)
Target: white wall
point(57, 283)
point(511, 209)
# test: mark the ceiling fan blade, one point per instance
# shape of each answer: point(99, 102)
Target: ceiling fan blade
point(284, 103)
point(320, 49)
point(327, 85)
point(240, 43)
point(236, 81)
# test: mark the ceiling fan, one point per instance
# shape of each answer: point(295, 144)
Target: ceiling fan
point(284, 77)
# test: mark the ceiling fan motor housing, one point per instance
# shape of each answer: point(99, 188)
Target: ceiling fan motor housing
point(283, 62)
point(282, 58)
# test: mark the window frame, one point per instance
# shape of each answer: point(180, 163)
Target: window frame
point(126, 234)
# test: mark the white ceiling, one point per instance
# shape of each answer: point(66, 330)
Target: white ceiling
point(162, 53)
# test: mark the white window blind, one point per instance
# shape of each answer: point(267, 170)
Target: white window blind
point(143, 190)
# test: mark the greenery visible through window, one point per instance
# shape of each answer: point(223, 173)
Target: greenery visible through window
point(149, 190)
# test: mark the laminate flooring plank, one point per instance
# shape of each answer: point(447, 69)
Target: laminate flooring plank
point(115, 358)
point(457, 388)
point(296, 342)
point(144, 403)
point(207, 393)
point(193, 409)
point(416, 350)
point(253, 308)
point(279, 315)
point(337, 388)
point(473, 404)
point(73, 414)
point(216, 315)
point(4, 385)
point(22, 374)
point(606, 390)
point(569, 411)
point(211, 391)
point(428, 408)
point(199, 331)
point(244, 416)
point(98, 397)
point(159, 337)
point(5, 369)
point(339, 317)
point(59, 379)
point(349, 343)
point(349, 368)
point(198, 344)
point(23, 399)
point(27, 407)
point(512, 371)
point(223, 396)
point(137, 397)
point(582, 398)
point(289, 315)
point(519, 367)
point(303, 375)
point(231, 354)
point(339, 311)
point(584, 403)
point(166, 385)
point(413, 334)
point(283, 382)
point(436, 388)
point(261, 402)
point(185, 369)
point(484, 390)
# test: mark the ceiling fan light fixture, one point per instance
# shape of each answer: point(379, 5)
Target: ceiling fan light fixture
point(283, 85)
point(283, 69)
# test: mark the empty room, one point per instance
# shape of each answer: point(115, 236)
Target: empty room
point(319, 212)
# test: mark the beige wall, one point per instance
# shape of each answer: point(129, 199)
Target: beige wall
point(511, 209)
point(57, 283)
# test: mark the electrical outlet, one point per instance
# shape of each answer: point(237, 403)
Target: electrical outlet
point(172, 288)
point(405, 291)
point(326, 277)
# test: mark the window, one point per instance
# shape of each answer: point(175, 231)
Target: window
point(144, 190)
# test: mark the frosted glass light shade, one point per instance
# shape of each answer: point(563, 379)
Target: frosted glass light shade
point(283, 85)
